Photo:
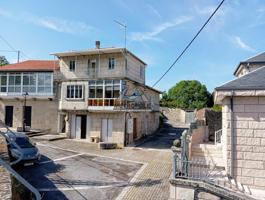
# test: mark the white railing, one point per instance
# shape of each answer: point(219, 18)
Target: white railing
point(218, 137)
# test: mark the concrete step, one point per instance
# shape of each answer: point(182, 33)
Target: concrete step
point(212, 160)
point(207, 155)
point(207, 146)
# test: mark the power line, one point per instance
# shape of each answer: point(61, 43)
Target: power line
point(7, 51)
point(11, 47)
point(185, 49)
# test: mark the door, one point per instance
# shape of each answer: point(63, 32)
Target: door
point(9, 116)
point(28, 115)
point(78, 127)
point(72, 134)
point(106, 130)
point(83, 126)
point(134, 128)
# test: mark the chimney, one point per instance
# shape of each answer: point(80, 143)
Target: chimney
point(97, 44)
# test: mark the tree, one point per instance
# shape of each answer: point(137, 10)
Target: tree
point(187, 94)
point(3, 61)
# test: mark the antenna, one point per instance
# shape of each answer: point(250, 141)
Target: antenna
point(125, 31)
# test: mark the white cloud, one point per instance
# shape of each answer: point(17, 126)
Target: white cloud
point(152, 35)
point(238, 41)
point(205, 10)
point(59, 25)
point(154, 11)
point(52, 23)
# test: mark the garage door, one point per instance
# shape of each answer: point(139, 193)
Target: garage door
point(106, 130)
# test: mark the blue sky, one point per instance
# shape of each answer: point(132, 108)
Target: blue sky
point(157, 33)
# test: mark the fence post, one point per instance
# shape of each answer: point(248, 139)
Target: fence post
point(174, 159)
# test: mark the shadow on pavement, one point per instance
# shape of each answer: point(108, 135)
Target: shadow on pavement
point(163, 138)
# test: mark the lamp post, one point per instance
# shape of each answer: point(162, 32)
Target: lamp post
point(24, 110)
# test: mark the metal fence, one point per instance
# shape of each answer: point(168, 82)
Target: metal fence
point(196, 169)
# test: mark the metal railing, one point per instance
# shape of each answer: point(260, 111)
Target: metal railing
point(21, 179)
point(196, 170)
point(118, 103)
point(218, 137)
point(8, 167)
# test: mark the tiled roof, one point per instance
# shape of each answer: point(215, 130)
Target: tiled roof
point(254, 80)
point(260, 58)
point(32, 65)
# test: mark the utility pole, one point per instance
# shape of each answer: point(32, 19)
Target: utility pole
point(24, 110)
point(18, 56)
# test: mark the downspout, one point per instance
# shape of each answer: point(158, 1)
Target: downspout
point(232, 134)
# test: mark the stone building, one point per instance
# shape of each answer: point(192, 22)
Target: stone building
point(37, 78)
point(243, 122)
point(96, 95)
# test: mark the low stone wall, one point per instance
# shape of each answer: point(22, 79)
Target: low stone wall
point(5, 181)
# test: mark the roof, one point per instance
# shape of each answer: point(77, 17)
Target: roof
point(32, 65)
point(97, 51)
point(254, 80)
point(259, 58)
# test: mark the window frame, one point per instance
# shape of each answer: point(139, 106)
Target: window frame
point(72, 65)
point(112, 63)
point(76, 89)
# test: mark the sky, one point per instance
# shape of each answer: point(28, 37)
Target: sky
point(157, 32)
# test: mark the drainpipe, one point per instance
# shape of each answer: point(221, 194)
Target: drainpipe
point(232, 134)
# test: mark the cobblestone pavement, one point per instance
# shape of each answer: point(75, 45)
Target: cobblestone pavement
point(5, 181)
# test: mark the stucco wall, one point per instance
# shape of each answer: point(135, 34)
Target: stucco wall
point(147, 123)
point(73, 104)
point(44, 114)
point(102, 67)
point(249, 139)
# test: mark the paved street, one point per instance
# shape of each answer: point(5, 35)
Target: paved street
point(74, 169)
point(64, 174)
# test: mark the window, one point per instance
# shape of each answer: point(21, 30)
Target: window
point(3, 82)
point(14, 83)
point(142, 72)
point(110, 89)
point(33, 83)
point(72, 65)
point(29, 82)
point(111, 63)
point(74, 92)
point(44, 83)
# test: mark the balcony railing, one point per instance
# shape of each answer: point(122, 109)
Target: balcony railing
point(118, 104)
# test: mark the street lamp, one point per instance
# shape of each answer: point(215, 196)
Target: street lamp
point(24, 110)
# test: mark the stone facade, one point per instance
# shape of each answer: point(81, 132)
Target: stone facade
point(249, 139)
point(44, 114)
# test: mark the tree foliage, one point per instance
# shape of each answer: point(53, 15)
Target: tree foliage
point(187, 94)
point(3, 61)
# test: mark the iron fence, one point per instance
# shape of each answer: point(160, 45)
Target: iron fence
point(197, 170)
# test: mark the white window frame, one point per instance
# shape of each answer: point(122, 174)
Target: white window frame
point(75, 89)
point(70, 68)
point(112, 63)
